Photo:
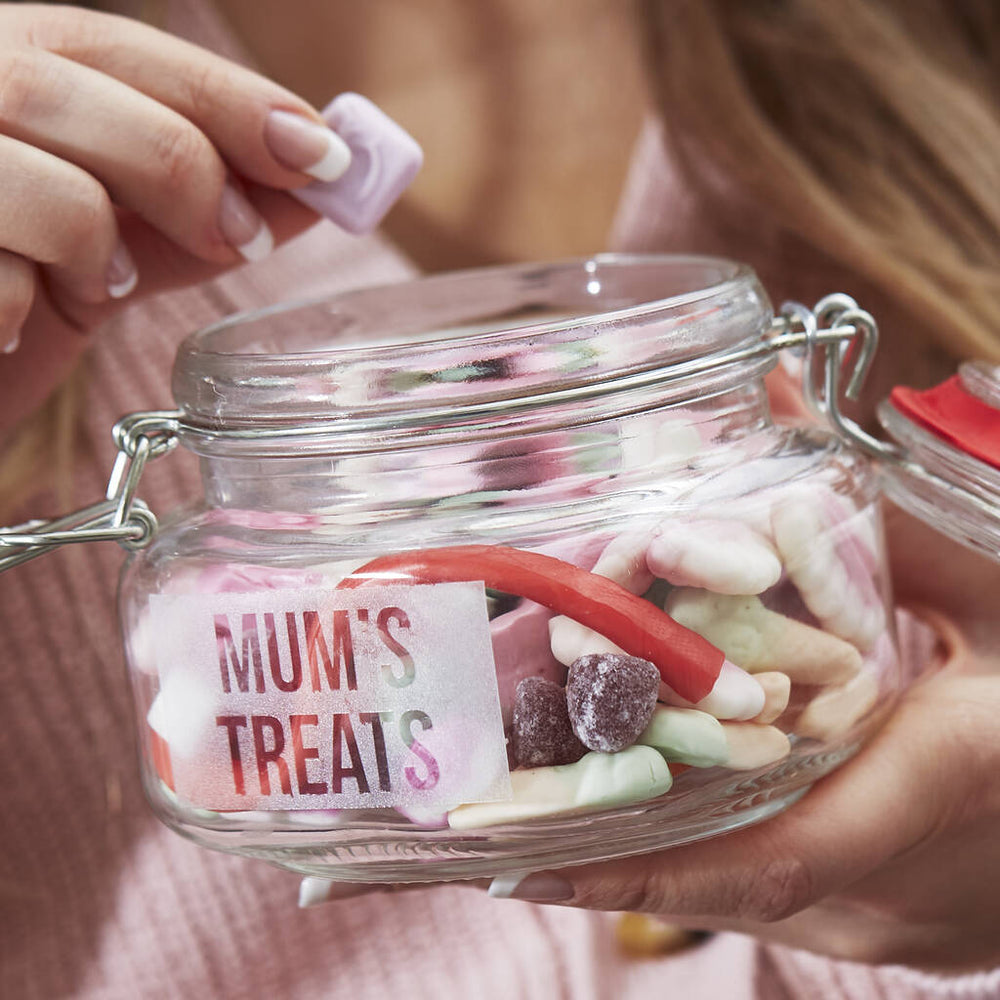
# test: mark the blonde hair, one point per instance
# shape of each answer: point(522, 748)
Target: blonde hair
point(39, 453)
point(870, 127)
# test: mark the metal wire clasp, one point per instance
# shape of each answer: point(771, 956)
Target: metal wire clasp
point(834, 334)
point(120, 517)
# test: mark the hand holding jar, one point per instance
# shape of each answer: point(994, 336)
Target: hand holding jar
point(888, 860)
point(893, 858)
point(684, 622)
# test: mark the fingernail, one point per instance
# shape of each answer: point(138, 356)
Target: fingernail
point(791, 363)
point(11, 346)
point(242, 227)
point(315, 891)
point(122, 276)
point(538, 887)
point(303, 145)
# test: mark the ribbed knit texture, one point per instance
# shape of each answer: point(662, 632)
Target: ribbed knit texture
point(99, 901)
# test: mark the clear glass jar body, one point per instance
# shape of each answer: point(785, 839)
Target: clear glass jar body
point(416, 435)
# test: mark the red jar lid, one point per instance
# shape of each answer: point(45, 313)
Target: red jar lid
point(956, 415)
point(949, 474)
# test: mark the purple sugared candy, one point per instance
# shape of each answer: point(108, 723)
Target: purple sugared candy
point(611, 698)
point(541, 733)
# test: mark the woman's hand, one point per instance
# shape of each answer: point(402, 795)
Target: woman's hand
point(132, 162)
point(895, 858)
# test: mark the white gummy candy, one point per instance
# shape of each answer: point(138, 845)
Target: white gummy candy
point(624, 561)
point(728, 557)
point(834, 711)
point(831, 589)
point(758, 639)
point(655, 443)
point(597, 780)
point(570, 640)
point(735, 695)
point(752, 746)
point(183, 713)
point(777, 690)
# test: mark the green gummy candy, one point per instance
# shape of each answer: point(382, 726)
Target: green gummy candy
point(687, 736)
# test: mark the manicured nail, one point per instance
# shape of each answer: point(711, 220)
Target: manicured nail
point(11, 346)
point(315, 891)
point(303, 145)
point(792, 363)
point(242, 227)
point(538, 887)
point(122, 276)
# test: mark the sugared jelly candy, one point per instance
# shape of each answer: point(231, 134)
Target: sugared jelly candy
point(611, 698)
point(542, 734)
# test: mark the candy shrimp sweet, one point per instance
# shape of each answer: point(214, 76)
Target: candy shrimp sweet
point(597, 780)
point(760, 639)
point(830, 573)
point(727, 557)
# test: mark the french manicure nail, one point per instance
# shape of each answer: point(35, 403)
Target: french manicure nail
point(315, 891)
point(242, 227)
point(122, 276)
point(537, 887)
point(303, 145)
point(791, 363)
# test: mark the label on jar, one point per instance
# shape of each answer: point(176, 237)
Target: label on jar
point(327, 699)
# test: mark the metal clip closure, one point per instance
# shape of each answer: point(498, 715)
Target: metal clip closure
point(121, 517)
point(851, 336)
point(834, 332)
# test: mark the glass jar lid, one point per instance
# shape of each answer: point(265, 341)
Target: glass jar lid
point(949, 472)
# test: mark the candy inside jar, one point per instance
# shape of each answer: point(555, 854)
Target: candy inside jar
point(791, 597)
point(493, 571)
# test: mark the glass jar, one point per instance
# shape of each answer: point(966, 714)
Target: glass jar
point(510, 569)
point(502, 570)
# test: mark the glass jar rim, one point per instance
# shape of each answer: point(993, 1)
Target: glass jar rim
point(374, 358)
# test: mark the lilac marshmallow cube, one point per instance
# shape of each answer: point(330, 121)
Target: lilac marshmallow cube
point(384, 160)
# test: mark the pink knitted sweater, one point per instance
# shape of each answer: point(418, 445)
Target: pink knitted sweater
point(97, 900)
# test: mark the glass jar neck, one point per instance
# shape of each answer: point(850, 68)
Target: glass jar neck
point(539, 462)
point(502, 386)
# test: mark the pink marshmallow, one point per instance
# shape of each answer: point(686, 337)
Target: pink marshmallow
point(521, 649)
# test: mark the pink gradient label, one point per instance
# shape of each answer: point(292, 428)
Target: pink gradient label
point(325, 699)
